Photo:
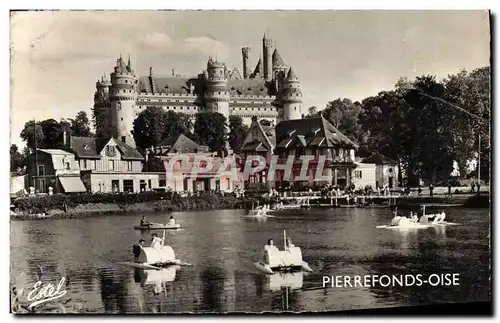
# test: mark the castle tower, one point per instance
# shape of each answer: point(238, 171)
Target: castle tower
point(217, 94)
point(292, 97)
point(267, 45)
point(123, 98)
point(102, 106)
point(245, 51)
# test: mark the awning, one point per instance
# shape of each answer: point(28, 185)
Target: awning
point(72, 184)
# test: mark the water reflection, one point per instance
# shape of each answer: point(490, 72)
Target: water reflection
point(223, 246)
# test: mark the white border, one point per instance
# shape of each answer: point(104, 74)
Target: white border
point(185, 4)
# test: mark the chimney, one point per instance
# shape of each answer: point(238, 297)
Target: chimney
point(66, 138)
point(173, 72)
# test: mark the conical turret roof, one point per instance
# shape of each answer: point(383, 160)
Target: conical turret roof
point(258, 68)
point(291, 75)
point(277, 60)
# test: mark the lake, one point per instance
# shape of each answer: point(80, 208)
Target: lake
point(223, 246)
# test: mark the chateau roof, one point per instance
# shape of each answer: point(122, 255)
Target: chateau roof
point(235, 86)
point(310, 132)
point(170, 85)
point(379, 159)
point(291, 75)
point(277, 60)
point(90, 147)
point(258, 68)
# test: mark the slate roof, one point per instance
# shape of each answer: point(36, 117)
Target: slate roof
point(179, 143)
point(90, 147)
point(379, 159)
point(235, 86)
point(277, 60)
point(55, 152)
point(259, 138)
point(291, 75)
point(310, 132)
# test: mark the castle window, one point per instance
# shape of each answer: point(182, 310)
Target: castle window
point(176, 100)
point(249, 89)
point(121, 119)
point(185, 101)
point(187, 108)
point(126, 81)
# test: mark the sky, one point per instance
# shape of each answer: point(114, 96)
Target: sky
point(56, 57)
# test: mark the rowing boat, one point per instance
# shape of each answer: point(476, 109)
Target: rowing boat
point(416, 225)
point(158, 227)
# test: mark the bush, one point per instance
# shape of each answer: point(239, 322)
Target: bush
point(172, 200)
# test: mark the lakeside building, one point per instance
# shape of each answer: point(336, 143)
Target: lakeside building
point(183, 167)
point(314, 137)
point(386, 170)
point(89, 164)
point(365, 175)
point(271, 91)
point(56, 169)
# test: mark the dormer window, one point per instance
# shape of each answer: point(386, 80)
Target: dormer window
point(86, 147)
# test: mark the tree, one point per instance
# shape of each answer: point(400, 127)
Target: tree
point(313, 112)
point(80, 125)
point(99, 119)
point(237, 133)
point(154, 124)
point(344, 115)
point(52, 132)
point(210, 130)
point(33, 135)
point(16, 159)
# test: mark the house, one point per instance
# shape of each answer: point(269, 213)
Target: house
point(109, 165)
point(185, 165)
point(365, 175)
point(56, 169)
point(259, 141)
point(317, 138)
point(386, 170)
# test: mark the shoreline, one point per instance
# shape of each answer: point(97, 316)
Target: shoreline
point(216, 202)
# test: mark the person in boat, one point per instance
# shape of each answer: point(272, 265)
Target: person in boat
point(289, 244)
point(156, 241)
point(439, 218)
point(413, 217)
point(270, 244)
point(136, 249)
point(145, 223)
point(172, 221)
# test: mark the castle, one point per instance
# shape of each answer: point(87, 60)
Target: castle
point(271, 91)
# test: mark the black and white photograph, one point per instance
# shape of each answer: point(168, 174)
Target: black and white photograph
point(249, 161)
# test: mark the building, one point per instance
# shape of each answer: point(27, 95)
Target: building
point(271, 91)
point(56, 170)
point(313, 137)
point(386, 170)
point(109, 165)
point(365, 175)
point(185, 166)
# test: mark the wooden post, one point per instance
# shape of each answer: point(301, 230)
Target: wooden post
point(284, 239)
point(163, 239)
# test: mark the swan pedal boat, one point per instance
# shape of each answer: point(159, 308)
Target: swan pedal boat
point(283, 261)
point(152, 258)
point(405, 223)
point(158, 227)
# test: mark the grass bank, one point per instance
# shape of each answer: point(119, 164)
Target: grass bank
point(61, 206)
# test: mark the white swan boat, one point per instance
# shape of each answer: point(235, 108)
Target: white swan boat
point(425, 221)
point(287, 260)
point(156, 258)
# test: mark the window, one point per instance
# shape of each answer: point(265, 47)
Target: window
point(111, 165)
point(110, 151)
point(123, 137)
point(40, 170)
point(358, 174)
point(128, 185)
point(86, 147)
point(84, 164)
point(115, 185)
point(149, 183)
point(67, 166)
point(142, 185)
point(129, 165)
